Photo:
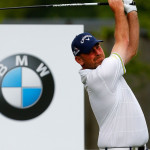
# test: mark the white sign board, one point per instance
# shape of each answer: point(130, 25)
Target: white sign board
point(61, 124)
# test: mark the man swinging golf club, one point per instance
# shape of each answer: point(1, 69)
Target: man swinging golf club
point(122, 124)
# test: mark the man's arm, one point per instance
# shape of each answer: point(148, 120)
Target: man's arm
point(133, 34)
point(121, 29)
point(127, 53)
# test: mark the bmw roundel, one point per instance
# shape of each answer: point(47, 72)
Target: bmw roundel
point(26, 87)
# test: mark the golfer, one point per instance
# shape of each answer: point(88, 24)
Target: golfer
point(122, 124)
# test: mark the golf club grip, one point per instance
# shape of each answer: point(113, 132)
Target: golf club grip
point(105, 3)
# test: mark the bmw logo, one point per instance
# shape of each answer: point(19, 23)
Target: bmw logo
point(26, 87)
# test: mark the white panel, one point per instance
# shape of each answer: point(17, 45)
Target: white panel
point(61, 126)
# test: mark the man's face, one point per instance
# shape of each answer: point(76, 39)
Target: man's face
point(93, 59)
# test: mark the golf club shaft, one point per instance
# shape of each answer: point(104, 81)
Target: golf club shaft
point(60, 5)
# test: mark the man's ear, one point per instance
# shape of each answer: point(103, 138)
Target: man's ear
point(79, 60)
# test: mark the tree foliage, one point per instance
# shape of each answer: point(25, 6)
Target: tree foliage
point(68, 12)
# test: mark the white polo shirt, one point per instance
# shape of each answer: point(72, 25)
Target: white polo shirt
point(118, 113)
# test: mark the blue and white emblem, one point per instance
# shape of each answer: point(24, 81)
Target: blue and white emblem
point(27, 87)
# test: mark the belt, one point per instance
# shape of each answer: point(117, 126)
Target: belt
point(125, 148)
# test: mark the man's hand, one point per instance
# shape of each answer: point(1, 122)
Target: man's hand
point(116, 5)
point(128, 8)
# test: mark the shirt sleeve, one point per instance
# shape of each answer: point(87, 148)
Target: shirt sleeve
point(121, 60)
point(111, 70)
